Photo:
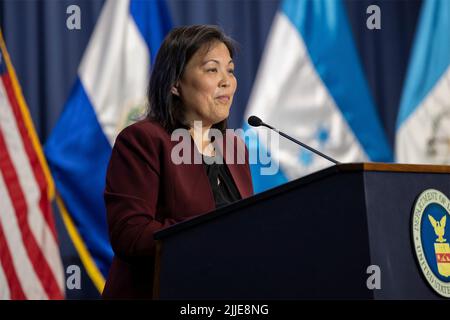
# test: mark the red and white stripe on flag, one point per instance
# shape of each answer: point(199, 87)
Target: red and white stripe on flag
point(30, 262)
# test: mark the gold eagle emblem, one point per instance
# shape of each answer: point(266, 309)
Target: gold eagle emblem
point(439, 227)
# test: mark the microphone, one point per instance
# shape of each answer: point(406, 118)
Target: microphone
point(254, 121)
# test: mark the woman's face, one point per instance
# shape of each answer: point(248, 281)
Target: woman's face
point(208, 84)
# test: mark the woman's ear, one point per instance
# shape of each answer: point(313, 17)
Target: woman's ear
point(174, 90)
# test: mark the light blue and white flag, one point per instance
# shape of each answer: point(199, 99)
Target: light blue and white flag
point(110, 90)
point(310, 84)
point(423, 124)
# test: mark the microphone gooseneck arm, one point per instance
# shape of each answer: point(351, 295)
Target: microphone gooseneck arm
point(256, 122)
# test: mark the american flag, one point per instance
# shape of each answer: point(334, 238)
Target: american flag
point(30, 262)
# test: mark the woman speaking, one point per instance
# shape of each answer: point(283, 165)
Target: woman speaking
point(191, 88)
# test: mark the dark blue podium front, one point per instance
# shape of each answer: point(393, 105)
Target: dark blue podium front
point(312, 238)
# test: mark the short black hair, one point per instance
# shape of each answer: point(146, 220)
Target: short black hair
point(174, 54)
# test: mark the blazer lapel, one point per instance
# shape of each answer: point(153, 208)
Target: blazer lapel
point(235, 167)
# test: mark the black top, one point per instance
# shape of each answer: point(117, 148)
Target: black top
point(222, 184)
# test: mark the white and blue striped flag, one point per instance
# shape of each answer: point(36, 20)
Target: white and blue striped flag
point(109, 92)
point(423, 124)
point(311, 85)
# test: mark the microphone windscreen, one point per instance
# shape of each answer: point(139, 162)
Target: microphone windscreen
point(254, 121)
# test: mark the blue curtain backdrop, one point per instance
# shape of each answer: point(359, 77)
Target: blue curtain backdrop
point(46, 55)
point(385, 53)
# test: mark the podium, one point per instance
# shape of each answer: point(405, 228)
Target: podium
point(312, 238)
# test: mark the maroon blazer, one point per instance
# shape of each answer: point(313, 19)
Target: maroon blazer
point(145, 192)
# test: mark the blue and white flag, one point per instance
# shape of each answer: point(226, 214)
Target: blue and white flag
point(311, 85)
point(423, 124)
point(109, 92)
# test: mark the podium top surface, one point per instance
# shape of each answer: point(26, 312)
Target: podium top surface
point(393, 167)
point(334, 169)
